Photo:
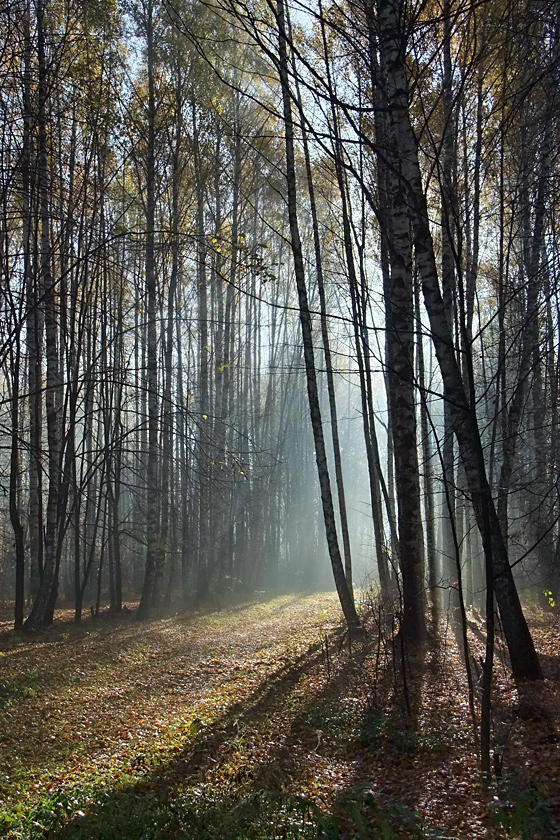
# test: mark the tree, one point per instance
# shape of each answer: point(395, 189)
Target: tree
point(462, 401)
point(305, 321)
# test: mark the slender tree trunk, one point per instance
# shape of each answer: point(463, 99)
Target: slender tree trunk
point(344, 594)
point(203, 571)
point(34, 329)
point(15, 517)
point(167, 412)
point(448, 283)
point(43, 608)
point(427, 457)
point(326, 343)
point(149, 595)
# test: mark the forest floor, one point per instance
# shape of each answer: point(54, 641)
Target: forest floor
point(258, 721)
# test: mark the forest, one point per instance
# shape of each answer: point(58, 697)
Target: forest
point(280, 359)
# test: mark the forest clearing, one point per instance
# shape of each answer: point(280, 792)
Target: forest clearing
point(259, 722)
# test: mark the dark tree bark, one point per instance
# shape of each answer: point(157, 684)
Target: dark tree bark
point(399, 339)
point(345, 597)
point(149, 595)
point(204, 457)
point(325, 338)
point(43, 608)
point(525, 663)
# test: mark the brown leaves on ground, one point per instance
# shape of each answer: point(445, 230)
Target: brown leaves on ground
point(268, 697)
point(95, 697)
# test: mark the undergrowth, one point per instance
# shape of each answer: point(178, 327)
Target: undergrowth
point(18, 688)
point(202, 813)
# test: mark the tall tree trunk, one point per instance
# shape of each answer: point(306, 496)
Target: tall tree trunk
point(15, 517)
point(427, 457)
point(399, 339)
point(167, 409)
point(34, 327)
point(203, 571)
point(525, 663)
point(447, 215)
point(325, 337)
point(344, 594)
point(42, 613)
point(149, 596)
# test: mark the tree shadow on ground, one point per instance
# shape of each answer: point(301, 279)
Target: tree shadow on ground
point(113, 683)
point(248, 774)
point(203, 792)
point(113, 638)
point(407, 777)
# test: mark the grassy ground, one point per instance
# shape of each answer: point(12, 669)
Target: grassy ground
point(259, 722)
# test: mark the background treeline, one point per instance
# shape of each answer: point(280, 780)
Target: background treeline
point(218, 219)
point(150, 394)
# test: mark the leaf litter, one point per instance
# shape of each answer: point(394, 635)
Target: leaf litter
point(268, 699)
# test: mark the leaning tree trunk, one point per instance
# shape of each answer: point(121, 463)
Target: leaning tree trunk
point(327, 351)
point(524, 660)
point(346, 599)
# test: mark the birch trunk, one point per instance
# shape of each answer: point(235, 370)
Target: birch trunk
point(524, 660)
